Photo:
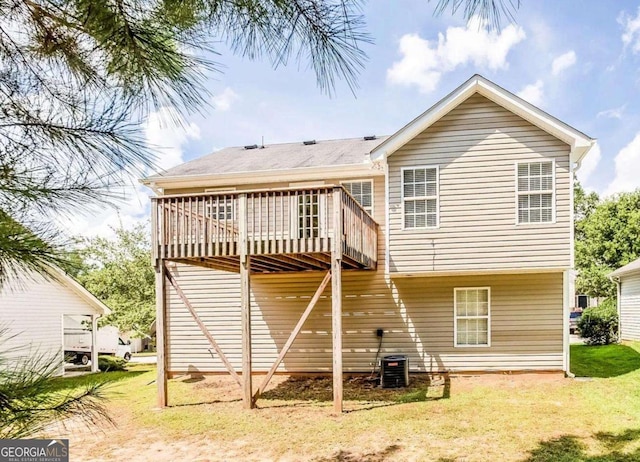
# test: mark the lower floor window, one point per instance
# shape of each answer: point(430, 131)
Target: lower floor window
point(472, 316)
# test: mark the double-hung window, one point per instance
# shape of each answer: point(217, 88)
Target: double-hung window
point(221, 208)
point(535, 192)
point(420, 197)
point(362, 191)
point(472, 317)
point(308, 215)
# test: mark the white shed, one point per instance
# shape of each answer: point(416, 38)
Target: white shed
point(628, 280)
point(32, 311)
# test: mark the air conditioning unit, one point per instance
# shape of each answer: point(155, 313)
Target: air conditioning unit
point(394, 371)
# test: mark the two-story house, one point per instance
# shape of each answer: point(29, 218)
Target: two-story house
point(454, 236)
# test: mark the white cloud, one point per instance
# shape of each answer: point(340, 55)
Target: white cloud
point(627, 163)
point(631, 31)
point(425, 61)
point(533, 93)
point(223, 101)
point(166, 132)
point(563, 62)
point(589, 165)
point(614, 113)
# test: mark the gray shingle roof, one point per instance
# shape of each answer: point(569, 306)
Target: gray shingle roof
point(633, 266)
point(278, 157)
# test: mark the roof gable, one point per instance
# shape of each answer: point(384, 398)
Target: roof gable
point(579, 142)
point(57, 276)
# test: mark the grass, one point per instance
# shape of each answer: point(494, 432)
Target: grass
point(604, 361)
point(537, 418)
point(143, 354)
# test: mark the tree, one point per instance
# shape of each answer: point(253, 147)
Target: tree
point(490, 12)
point(78, 76)
point(606, 238)
point(119, 272)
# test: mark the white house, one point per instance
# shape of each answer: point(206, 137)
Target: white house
point(32, 312)
point(627, 279)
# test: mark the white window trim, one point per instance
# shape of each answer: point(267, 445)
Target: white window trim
point(323, 224)
point(402, 170)
point(455, 317)
point(553, 193)
point(227, 202)
point(373, 196)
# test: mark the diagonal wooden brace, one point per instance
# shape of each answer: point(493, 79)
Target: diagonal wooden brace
point(202, 327)
point(294, 334)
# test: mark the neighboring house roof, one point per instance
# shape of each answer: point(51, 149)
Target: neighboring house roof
point(275, 157)
point(579, 142)
point(626, 269)
point(78, 289)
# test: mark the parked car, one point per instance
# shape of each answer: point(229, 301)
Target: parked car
point(574, 317)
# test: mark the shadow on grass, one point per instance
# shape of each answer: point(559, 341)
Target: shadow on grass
point(569, 448)
point(202, 403)
point(69, 383)
point(603, 361)
point(348, 456)
point(422, 387)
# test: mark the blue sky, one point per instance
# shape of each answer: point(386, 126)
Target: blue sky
point(577, 60)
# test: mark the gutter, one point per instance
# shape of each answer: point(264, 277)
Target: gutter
point(157, 182)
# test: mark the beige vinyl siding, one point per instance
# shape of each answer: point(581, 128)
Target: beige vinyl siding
point(415, 313)
point(32, 310)
point(630, 307)
point(476, 148)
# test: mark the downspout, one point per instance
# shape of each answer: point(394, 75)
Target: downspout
point(616, 279)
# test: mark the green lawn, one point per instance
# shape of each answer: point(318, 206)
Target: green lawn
point(604, 361)
point(530, 418)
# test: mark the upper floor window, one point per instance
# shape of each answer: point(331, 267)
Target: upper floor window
point(308, 215)
point(221, 208)
point(420, 197)
point(535, 192)
point(362, 191)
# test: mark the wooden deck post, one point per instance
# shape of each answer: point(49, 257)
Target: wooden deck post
point(94, 342)
point(336, 298)
point(161, 334)
point(245, 302)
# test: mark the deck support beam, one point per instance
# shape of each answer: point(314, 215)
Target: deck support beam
point(245, 302)
point(161, 334)
point(202, 327)
point(336, 298)
point(294, 334)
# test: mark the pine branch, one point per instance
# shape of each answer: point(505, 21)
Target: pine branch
point(30, 400)
point(490, 12)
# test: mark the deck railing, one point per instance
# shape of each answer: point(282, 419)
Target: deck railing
point(278, 221)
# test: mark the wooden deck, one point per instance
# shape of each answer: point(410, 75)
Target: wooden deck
point(283, 230)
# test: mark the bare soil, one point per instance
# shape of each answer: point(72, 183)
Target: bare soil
point(304, 402)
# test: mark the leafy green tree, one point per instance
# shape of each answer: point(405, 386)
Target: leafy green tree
point(119, 272)
point(78, 76)
point(607, 237)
